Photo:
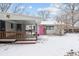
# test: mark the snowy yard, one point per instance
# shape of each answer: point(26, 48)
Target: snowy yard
point(46, 46)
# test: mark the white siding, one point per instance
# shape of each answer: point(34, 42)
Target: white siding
point(8, 26)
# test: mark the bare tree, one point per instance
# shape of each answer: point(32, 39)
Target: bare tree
point(19, 9)
point(4, 7)
point(44, 14)
point(71, 9)
point(60, 23)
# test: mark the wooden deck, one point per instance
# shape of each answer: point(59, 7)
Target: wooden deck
point(18, 37)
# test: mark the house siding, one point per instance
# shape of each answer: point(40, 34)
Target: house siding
point(8, 26)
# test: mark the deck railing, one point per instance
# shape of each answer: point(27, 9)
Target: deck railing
point(2, 35)
point(20, 35)
point(11, 35)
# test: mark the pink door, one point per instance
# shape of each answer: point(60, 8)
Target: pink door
point(41, 30)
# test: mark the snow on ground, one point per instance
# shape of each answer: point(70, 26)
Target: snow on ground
point(46, 46)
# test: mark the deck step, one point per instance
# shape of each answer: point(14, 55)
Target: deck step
point(25, 42)
point(7, 40)
point(27, 39)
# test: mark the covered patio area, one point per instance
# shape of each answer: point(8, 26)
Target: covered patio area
point(25, 31)
point(17, 28)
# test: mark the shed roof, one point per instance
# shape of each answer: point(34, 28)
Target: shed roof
point(54, 22)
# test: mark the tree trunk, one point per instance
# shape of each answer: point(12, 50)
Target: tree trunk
point(72, 12)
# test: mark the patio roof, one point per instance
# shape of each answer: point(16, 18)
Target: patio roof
point(25, 22)
point(14, 16)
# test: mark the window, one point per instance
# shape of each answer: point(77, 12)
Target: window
point(49, 27)
point(11, 25)
point(52, 27)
